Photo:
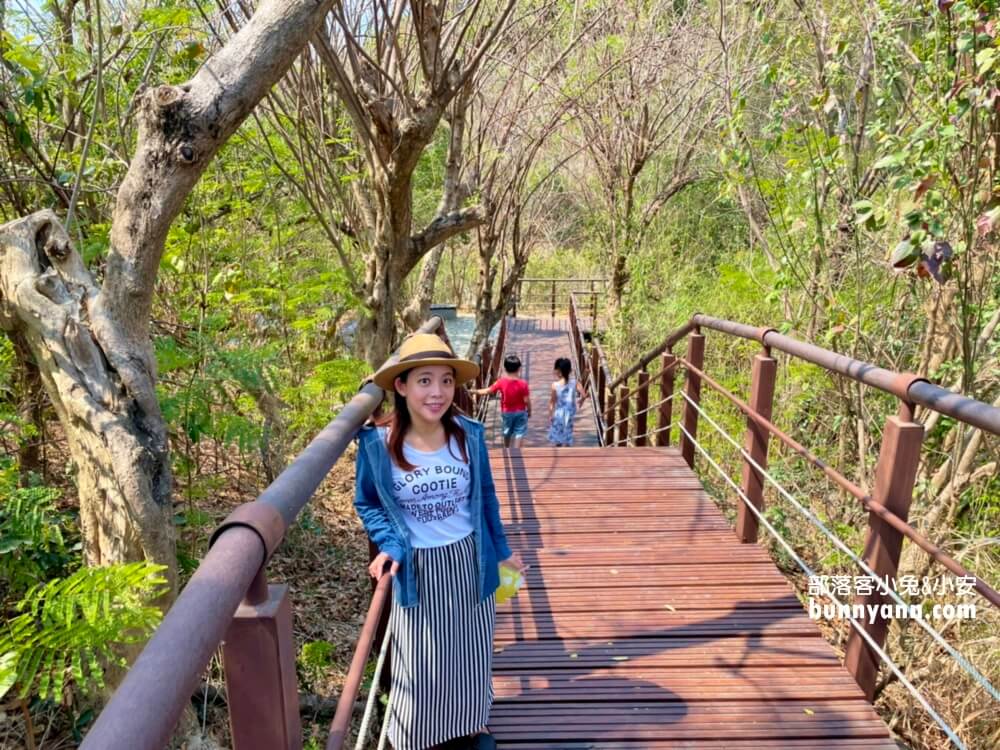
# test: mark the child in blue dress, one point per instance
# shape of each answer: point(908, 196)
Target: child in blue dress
point(565, 398)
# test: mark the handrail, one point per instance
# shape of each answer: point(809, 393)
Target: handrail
point(352, 685)
point(988, 593)
point(667, 343)
point(910, 389)
point(898, 464)
point(564, 281)
point(905, 386)
point(166, 671)
point(553, 290)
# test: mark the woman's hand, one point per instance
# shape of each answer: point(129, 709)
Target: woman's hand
point(515, 562)
point(376, 567)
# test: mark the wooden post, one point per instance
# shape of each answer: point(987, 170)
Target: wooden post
point(642, 409)
point(755, 443)
point(593, 306)
point(596, 375)
point(623, 395)
point(894, 479)
point(668, 361)
point(696, 356)
point(553, 298)
point(609, 419)
point(258, 656)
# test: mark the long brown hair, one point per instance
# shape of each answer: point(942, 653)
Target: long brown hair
point(398, 421)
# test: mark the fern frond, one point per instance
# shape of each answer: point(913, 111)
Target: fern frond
point(68, 622)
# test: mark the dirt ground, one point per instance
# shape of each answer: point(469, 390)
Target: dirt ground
point(323, 559)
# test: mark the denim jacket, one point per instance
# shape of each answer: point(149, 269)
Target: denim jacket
point(383, 518)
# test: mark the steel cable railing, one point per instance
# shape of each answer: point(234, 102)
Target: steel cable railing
point(974, 673)
point(651, 433)
point(373, 693)
point(945, 727)
point(647, 410)
point(888, 507)
point(844, 483)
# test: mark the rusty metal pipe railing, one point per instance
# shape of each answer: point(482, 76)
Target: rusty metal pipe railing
point(898, 459)
point(345, 705)
point(935, 552)
point(907, 387)
point(667, 343)
point(166, 672)
point(962, 408)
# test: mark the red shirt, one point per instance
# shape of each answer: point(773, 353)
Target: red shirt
point(513, 394)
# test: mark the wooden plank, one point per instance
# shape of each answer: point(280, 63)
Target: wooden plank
point(644, 623)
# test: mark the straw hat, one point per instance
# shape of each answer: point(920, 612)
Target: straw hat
point(420, 350)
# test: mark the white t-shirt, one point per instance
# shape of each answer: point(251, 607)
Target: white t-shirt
point(434, 496)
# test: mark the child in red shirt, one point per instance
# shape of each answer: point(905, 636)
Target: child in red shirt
point(515, 401)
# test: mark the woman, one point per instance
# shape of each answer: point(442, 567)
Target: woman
point(425, 494)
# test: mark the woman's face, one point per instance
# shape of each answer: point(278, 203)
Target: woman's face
point(428, 391)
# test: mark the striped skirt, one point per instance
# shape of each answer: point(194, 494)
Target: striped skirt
point(442, 651)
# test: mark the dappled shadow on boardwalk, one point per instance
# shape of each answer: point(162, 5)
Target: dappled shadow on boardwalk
point(646, 623)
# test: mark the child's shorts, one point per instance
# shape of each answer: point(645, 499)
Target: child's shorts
point(515, 423)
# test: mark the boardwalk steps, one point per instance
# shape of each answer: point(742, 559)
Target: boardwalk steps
point(646, 624)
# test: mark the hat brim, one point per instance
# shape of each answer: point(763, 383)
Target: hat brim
point(464, 370)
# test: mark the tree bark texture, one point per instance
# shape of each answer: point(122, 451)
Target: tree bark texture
point(46, 297)
point(91, 343)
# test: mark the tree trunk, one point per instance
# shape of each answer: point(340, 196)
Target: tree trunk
point(91, 344)
point(486, 315)
point(419, 308)
point(488, 311)
point(124, 480)
point(619, 279)
point(377, 330)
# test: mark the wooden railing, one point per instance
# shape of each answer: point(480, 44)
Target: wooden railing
point(229, 602)
point(627, 418)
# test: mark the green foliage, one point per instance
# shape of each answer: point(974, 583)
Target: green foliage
point(315, 658)
point(328, 385)
point(67, 630)
point(32, 545)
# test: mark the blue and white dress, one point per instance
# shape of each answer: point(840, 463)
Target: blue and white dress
point(561, 430)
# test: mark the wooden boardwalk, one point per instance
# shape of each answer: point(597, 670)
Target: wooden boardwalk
point(645, 623)
point(538, 342)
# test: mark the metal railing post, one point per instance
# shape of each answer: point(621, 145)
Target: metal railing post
point(593, 306)
point(609, 419)
point(642, 409)
point(553, 298)
point(258, 656)
point(895, 476)
point(669, 365)
point(597, 376)
point(755, 443)
point(696, 356)
point(623, 395)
